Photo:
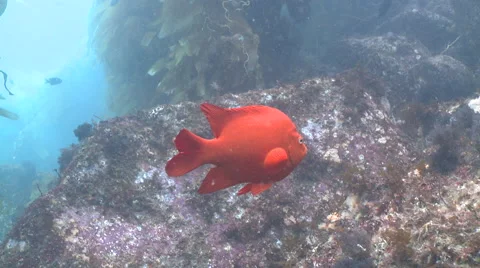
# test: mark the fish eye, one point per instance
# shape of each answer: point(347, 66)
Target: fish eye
point(300, 140)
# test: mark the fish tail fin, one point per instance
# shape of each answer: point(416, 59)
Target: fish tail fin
point(190, 155)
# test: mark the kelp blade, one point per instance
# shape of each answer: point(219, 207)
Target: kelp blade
point(3, 6)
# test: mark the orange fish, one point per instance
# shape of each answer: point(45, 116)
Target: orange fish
point(257, 145)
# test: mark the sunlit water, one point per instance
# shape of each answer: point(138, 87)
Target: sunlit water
point(41, 39)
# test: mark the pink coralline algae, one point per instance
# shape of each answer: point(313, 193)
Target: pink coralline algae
point(365, 195)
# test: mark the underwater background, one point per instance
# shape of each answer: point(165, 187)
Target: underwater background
point(385, 94)
point(42, 40)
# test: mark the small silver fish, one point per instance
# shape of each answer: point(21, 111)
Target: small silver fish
point(53, 81)
point(8, 114)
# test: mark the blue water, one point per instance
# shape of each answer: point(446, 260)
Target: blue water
point(42, 39)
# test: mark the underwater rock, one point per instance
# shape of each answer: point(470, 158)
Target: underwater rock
point(441, 78)
point(15, 190)
point(467, 22)
point(83, 131)
point(390, 57)
point(434, 30)
point(116, 207)
point(404, 63)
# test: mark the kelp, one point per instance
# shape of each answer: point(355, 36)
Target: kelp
point(3, 112)
point(158, 52)
point(3, 6)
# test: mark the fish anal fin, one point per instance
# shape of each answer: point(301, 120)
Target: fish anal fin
point(218, 178)
point(255, 188)
point(275, 160)
point(245, 189)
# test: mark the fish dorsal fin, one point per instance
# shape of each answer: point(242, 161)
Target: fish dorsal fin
point(218, 117)
point(275, 160)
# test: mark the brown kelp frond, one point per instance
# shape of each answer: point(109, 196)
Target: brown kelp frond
point(165, 52)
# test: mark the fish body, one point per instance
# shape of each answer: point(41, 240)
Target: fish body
point(257, 145)
point(8, 114)
point(53, 81)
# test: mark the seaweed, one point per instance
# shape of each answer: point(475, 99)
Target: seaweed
point(66, 157)
point(3, 6)
point(356, 84)
point(156, 53)
point(418, 116)
point(83, 131)
point(446, 158)
point(399, 240)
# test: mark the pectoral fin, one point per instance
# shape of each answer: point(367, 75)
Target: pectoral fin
point(275, 160)
point(254, 188)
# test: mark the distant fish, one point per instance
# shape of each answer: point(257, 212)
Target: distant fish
point(53, 81)
point(5, 77)
point(8, 114)
point(384, 7)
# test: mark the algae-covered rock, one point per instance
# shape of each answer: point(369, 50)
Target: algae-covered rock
point(15, 190)
point(366, 195)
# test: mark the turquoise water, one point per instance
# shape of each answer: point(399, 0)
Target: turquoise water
point(42, 39)
point(39, 40)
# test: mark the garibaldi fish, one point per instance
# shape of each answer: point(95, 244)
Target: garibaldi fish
point(257, 145)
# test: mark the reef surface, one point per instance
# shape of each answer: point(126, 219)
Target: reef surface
point(369, 193)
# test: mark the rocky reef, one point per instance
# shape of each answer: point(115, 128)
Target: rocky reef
point(19, 185)
point(366, 195)
point(386, 100)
